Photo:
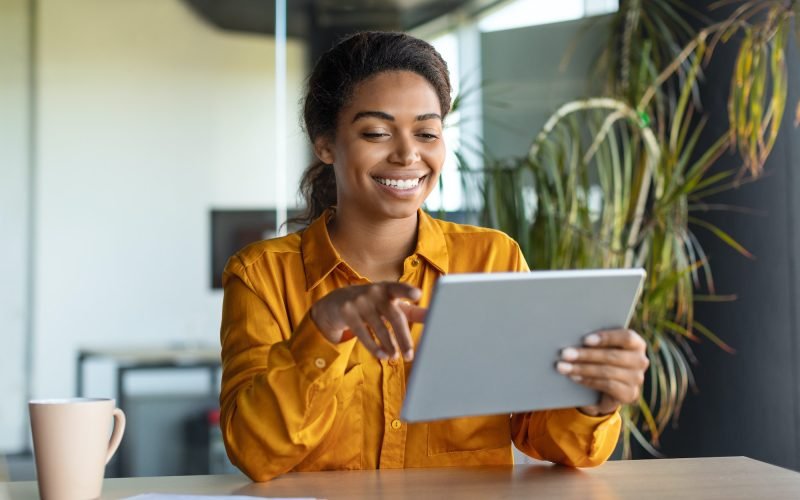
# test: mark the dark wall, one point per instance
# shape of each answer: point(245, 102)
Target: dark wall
point(749, 403)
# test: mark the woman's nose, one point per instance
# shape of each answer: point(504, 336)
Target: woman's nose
point(405, 152)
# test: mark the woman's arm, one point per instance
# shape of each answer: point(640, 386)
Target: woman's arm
point(278, 388)
point(612, 362)
point(278, 399)
point(566, 436)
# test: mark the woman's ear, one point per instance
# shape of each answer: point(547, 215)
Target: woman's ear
point(323, 148)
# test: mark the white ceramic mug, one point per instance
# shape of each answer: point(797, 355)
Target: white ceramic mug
point(71, 445)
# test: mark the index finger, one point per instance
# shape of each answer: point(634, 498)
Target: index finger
point(399, 324)
point(623, 339)
point(414, 313)
point(403, 291)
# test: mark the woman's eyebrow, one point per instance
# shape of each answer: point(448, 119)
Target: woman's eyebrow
point(388, 117)
point(429, 116)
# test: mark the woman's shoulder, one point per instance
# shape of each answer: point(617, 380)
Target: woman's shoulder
point(474, 234)
point(265, 252)
point(479, 249)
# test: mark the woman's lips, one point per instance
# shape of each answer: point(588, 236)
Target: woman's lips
point(402, 187)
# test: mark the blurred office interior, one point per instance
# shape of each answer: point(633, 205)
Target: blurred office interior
point(142, 142)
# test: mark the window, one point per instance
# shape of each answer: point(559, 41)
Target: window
point(457, 38)
point(449, 197)
point(519, 13)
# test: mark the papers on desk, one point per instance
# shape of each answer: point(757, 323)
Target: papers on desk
point(164, 496)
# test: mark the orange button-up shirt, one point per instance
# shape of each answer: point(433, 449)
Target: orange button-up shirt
point(293, 401)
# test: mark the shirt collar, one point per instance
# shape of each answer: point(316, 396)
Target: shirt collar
point(320, 257)
point(431, 244)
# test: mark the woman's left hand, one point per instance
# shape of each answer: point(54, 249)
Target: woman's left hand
point(612, 362)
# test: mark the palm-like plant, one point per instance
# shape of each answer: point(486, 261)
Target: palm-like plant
point(759, 85)
point(619, 181)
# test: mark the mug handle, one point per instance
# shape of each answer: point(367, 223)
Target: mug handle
point(116, 435)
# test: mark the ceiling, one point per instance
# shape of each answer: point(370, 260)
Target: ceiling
point(305, 18)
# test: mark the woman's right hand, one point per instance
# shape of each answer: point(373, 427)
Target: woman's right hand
point(360, 308)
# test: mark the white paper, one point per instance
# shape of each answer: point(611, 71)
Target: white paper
point(170, 496)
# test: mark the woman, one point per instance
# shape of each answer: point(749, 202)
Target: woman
point(319, 327)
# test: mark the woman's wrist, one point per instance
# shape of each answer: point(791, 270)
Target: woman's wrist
point(333, 338)
point(594, 411)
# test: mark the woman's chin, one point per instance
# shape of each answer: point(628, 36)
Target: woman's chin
point(381, 205)
point(401, 212)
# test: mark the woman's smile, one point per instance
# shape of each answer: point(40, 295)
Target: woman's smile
point(401, 186)
point(388, 149)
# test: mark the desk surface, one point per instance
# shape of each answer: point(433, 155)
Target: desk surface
point(688, 478)
point(156, 355)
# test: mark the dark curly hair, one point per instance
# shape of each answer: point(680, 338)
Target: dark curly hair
point(354, 59)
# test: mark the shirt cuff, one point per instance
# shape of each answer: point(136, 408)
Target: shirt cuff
point(314, 354)
point(603, 429)
point(576, 421)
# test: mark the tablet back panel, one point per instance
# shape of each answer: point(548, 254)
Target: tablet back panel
point(491, 341)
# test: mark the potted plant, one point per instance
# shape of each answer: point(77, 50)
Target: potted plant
point(619, 180)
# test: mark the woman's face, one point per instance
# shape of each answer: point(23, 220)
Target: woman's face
point(388, 151)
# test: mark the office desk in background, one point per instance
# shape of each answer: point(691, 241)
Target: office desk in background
point(128, 362)
point(684, 479)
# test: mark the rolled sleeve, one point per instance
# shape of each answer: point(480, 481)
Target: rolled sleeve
point(277, 397)
point(567, 436)
point(317, 357)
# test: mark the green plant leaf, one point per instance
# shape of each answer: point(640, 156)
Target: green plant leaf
point(713, 338)
point(722, 235)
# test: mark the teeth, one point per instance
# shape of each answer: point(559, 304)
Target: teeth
point(399, 183)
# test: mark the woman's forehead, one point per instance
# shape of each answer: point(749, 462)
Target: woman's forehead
point(396, 93)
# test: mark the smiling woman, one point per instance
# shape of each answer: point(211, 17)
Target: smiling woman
point(315, 323)
point(387, 150)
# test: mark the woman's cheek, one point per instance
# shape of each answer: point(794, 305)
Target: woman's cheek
point(369, 155)
point(435, 159)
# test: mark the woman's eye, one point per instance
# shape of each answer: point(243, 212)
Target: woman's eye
point(428, 136)
point(375, 135)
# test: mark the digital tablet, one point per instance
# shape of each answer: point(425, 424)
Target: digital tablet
point(491, 340)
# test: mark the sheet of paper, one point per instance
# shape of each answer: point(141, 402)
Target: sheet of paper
point(172, 496)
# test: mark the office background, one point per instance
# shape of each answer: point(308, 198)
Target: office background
point(125, 123)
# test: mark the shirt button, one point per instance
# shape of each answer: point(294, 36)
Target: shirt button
point(392, 361)
point(415, 262)
point(396, 424)
point(320, 363)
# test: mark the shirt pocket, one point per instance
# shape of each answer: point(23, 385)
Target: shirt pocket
point(341, 448)
point(468, 434)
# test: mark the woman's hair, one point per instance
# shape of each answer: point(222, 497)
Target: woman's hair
point(337, 72)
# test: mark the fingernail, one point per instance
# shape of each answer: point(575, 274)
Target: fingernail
point(416, 293)
point(576, 378)
point(563, 367)
point(409, 355)
point(570, 354)
point(592, 339)
point(383, 356)
point(396, 355)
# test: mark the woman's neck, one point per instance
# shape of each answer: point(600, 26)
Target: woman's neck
point(374, 248)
